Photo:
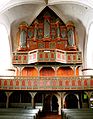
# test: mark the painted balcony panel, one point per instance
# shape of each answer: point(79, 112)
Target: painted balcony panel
point(66, 57)
point(20, 58)
point(46, 83)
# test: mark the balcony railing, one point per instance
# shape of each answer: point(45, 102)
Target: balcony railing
point(46, 83)
point(66, 57)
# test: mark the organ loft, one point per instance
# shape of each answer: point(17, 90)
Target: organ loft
point(47, 60)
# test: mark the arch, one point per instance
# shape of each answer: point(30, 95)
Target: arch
point(47, 71)
point(47, 106)
point(71, 101)
point(65, 71)
point(14, 97)
point(51, 103)
point(38, 98)
point(29, 71)
point(20, 99)
point(54, 104)
point(25, 97)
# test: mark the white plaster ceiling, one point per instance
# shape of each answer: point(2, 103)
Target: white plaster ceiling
point(12, 12)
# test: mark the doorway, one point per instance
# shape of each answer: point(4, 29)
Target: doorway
point(51, 104)
point(71, 101)
point(54, 104)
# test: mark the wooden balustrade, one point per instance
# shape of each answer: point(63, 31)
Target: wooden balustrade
point(46, 83)
point(67, 57)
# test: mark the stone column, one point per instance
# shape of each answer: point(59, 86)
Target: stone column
point(7, 101)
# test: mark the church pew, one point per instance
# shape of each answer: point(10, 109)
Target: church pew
point(67, 112)
point(39, 107)
point(81, 115)
point(15, 117)
point(20, 112)
point(17, 110)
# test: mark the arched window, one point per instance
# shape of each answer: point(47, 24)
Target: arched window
point(90, 51)
point(4, 50)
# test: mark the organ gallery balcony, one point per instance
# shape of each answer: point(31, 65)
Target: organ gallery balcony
point(34, 56)
point(46, 83)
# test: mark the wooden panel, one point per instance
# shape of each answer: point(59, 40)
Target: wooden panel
point(24, 72)
point(52, 45)
point(47, 45)
point(46, 83)
point(32, 72)
point(17, 72)
point(63, 31)
point(77, 72)
point(46, 56)
point(47, 71)
point(61, 44)
point(29, 71)
point(32, 57)
point(20, 58)
point(41, 45)
point(66, 71)
point(31, 44)
point(60, 57)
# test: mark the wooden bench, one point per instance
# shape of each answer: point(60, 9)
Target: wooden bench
point(70, 113)
point(39, 107)
point(32, 116)
point(81, 117)
point(33, 113)
point(14, 117)
point(74, 115)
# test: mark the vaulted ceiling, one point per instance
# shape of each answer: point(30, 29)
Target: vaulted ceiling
point(12, 12)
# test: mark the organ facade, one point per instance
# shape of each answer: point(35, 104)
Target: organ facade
point(47, 59)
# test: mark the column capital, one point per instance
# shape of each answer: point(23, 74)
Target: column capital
point(33, 94)
point(8, 93)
